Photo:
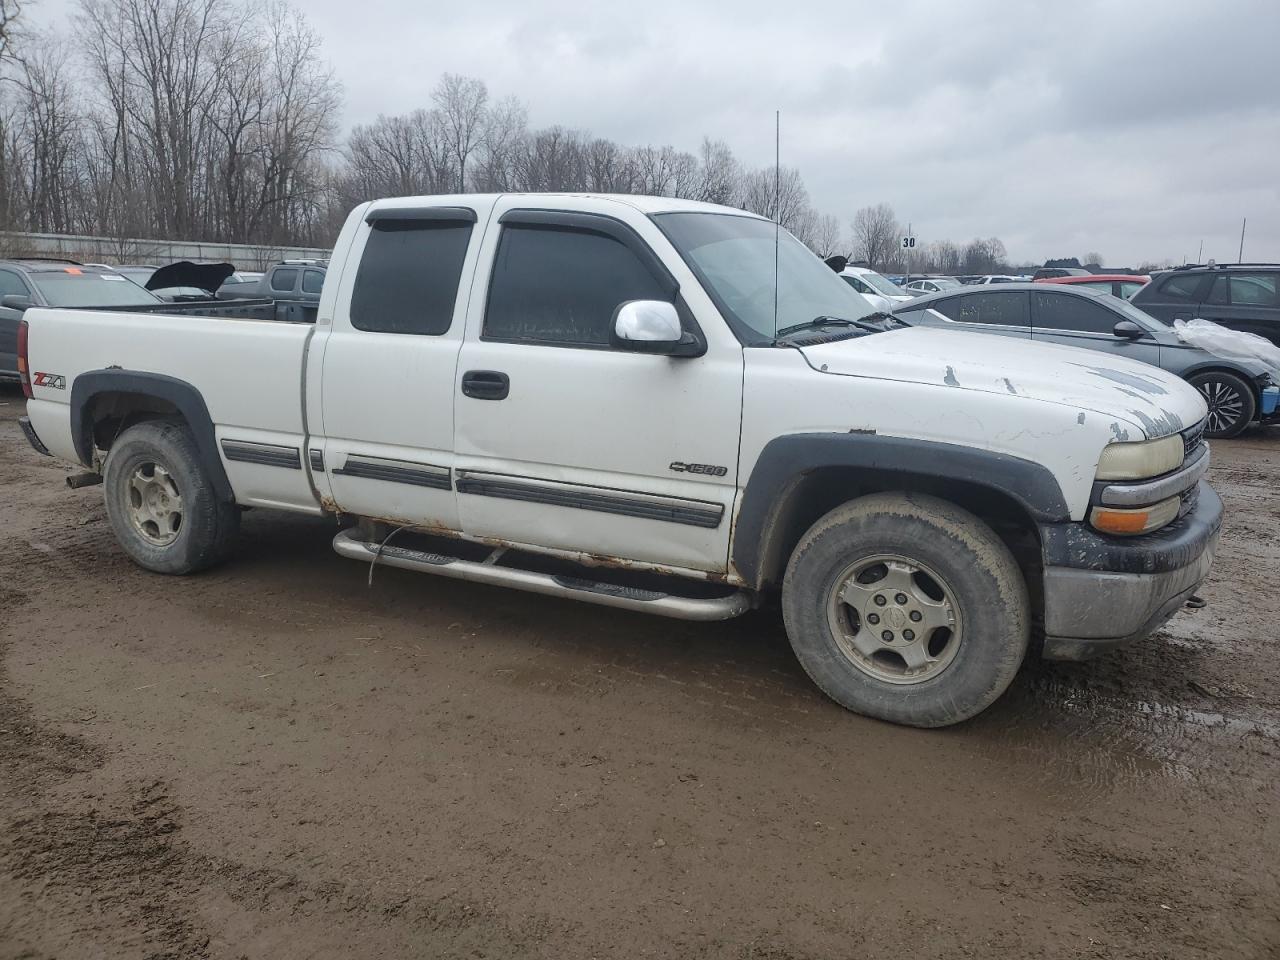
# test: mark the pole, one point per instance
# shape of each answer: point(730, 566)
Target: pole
point(1200, 255)
point(1240, 255)
point(908, 279)
point(777, 208)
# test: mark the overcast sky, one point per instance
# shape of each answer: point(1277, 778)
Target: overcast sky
point(1135, 129)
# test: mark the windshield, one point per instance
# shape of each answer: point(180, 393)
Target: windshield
point(91, 290)
point(734, 258)
point(881, 285)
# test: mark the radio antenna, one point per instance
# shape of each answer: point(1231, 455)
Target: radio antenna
point(777, 208)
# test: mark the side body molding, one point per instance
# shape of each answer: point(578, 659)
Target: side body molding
point(786, 463)
point(179, 393)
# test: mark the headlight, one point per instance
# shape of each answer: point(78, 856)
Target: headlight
point(1140, 461)
point(1129, 523)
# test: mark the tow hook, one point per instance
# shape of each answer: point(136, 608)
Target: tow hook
point(79, 480)
point(1194, 603)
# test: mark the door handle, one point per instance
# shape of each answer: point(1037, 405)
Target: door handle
point(486, 385)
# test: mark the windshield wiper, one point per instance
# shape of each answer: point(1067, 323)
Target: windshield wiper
point(832, 322)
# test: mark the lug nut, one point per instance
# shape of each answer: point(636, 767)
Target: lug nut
point(880, 600)
point(887, 636)
point(873, 618)
point(908, 634)
point(900, 599)
point(915, 616)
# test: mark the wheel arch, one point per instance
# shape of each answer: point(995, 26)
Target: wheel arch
point(105, 402)
point(1217, 365)
point(798, 479)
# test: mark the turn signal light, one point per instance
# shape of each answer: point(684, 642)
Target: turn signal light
point(24, 371)
point(1129, 523)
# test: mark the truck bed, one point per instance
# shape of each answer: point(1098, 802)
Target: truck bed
point(282, 311)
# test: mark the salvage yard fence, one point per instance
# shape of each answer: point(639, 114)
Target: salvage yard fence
point(130, 250)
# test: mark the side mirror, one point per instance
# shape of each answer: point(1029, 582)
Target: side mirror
point(652, 326)
point(1124, 329)
point(15, 301)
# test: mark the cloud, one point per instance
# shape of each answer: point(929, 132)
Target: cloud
point(1136, 128)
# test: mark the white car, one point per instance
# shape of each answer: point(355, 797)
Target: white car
point(918, 288)
point(608, 398)
point(881, 292)
point(994, 278)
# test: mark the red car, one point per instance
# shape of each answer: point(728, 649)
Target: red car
point(1117, 284)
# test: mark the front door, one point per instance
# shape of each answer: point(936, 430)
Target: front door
point(1077, 321)
point(567, 444)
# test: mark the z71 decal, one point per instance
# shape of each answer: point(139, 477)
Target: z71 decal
point(706, 469)
point(54, 380)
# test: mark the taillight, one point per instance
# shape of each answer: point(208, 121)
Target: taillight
point(24, 369)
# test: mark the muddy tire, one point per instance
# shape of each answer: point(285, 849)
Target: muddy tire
point(161, 502)
point(906, 608)
point(1231, 403)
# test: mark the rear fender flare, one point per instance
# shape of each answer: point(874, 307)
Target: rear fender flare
point(182, 395)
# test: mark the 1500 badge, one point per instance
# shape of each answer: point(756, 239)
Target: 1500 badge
point(54, 380)
point(706, 469)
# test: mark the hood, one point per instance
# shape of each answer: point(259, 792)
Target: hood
point(1155, 402)
point(184, 273)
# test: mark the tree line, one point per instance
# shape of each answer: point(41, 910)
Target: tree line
point(218, 120)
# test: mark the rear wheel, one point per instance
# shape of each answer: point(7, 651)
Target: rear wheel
point(1231, 403)
point(161, 503)
point(907, 608)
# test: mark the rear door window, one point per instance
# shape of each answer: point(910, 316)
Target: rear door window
point(283, 281)
point(408, 277)
point(1061, 311)
point(998, 309)
point(1254, 289)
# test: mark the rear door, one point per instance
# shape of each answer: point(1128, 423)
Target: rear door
point(565, 443)
point(11, 284)
point(385, 444)
point(1080, 321)
point(1248, 301)
point(1175, 296)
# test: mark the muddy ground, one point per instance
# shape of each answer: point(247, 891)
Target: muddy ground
point(276, 760)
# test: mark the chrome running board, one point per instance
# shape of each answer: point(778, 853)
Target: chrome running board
point(348, 544)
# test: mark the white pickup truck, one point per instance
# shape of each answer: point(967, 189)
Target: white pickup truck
point(662, 406)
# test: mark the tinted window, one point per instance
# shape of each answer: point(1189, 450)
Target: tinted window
point(408, 276)
point(552, 285)
point(1006, 309)
point(857, 284)
point(284, 279)
point(312, 281)
point(1061, 311)
point(66, 289)
point(1219, 292)
point(11, 285)
point(1182, 287)
point(1128, 289)
point(1254, 289)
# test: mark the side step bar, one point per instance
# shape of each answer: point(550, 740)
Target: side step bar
point(347, 544)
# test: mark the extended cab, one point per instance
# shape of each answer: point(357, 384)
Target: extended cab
point(618, 399)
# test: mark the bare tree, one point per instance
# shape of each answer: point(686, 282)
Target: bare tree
point(875, 234)
point(1092, 259)
point(721, 174)
point(826, 236)
point(461, 103)
point(10, 14)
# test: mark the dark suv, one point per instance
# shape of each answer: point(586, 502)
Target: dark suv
point(1242, 296)
point(57, 283)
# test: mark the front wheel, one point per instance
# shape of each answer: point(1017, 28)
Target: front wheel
point(906, 608)
point(1231, 403)
point(161, 502)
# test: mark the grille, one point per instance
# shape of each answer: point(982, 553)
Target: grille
point(1191, 439)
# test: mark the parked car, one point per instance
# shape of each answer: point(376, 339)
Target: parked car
point(180, 282)
point(932, 285)
point(880, 291)
point(1236, 392)
point(994, 278)
point(1122, 285)
point(1240, 296)
point(31, 282)
point(1060, 272)
point(599, 398)
point(289, 280)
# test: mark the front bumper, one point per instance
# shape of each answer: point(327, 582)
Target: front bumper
point(30, 433)
point(1100, 592)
